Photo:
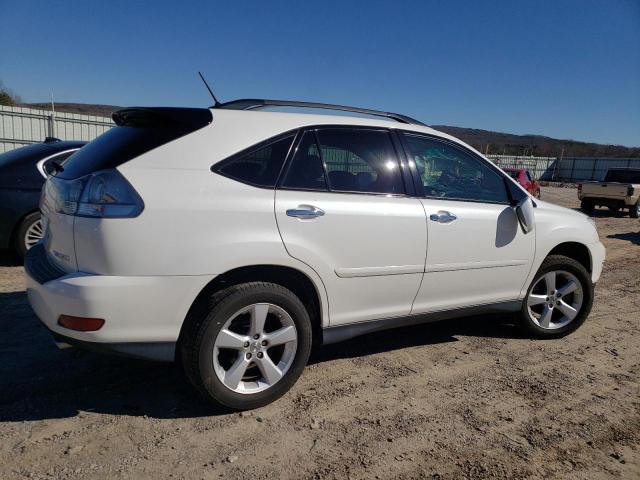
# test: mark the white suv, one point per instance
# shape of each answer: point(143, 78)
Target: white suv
point(231, 240)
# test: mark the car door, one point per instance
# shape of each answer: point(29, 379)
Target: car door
point(341, 208)
point(477, 254)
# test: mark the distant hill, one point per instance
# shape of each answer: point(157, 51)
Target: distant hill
point(536, 145)
point(483, 140)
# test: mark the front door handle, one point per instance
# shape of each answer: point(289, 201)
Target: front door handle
point(443, 217)
point(305, 211)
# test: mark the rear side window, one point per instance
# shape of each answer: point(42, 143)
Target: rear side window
point(258, 166)
point(360, 160)
point(305, 171)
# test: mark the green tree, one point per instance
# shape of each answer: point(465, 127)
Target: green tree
point(7, 97)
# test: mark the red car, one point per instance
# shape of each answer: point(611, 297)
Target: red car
point(524, 178)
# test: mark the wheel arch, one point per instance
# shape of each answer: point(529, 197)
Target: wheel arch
point(16, 226)
point(289, 277)
point(575, 250)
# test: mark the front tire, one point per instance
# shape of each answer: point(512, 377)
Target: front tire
point(247, 345)
point(558, 300)
point(634, 210)
point(29, 233)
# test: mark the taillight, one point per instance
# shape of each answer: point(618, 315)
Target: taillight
point(579, 187)
point(108, 195)
point(104, 194)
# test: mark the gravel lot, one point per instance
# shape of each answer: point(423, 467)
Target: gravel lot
point(469, 398)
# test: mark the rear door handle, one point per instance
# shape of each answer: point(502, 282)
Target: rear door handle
point(305, 211)
point(443, 217)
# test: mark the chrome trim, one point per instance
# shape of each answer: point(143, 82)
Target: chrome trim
point(443, 217)
point(305, 211)
point(40, 164)
point(378, 271)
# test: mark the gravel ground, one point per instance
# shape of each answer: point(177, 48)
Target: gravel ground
point(469, 398)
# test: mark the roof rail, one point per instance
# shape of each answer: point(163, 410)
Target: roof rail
point(255, 103)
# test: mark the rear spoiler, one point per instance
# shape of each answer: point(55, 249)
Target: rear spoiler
point(159, 117)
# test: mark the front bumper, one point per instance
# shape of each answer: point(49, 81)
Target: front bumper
point(598, 253)
point(137, 311)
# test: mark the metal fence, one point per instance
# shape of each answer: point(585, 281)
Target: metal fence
point(23, 126)
point(568, 169)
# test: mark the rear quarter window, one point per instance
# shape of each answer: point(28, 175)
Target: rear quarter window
point(259, 165)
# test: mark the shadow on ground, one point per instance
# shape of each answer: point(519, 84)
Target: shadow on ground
point(38, 381)
point(9, 259)
point(633, 237)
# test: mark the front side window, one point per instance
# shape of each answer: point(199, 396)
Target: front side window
point(360, 160)
point(260, 166)
point(449, 172)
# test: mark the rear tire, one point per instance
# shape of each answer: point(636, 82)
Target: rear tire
point(28, 233)
point(234, 361)
point(587, 206)
point(553, 311)
point(634, 211)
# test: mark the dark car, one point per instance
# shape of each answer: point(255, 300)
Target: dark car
point(22, 174)
point(524, 178)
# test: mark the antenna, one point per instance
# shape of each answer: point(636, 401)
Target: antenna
point(215, 100)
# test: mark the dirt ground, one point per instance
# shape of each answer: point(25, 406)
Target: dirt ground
point(469, 398)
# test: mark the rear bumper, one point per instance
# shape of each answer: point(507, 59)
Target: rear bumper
point(160, 351)
point(605, 200)
point(138, 311)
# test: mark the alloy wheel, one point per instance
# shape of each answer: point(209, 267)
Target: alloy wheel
point(255, 348)
point(555, 300)
point(34, 234)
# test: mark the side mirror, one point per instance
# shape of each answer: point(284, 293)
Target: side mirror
point(524, 212)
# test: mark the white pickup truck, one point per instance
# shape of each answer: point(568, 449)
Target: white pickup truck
point(620, 189)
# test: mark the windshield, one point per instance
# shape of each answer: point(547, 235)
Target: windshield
point(623, 176)
point(512, 173)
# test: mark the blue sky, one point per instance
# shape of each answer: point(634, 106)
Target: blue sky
point(563, 68)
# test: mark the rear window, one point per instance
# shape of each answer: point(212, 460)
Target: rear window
point(18, 167)
point(623, 176)
point(113, 148)
point(139, 130)
point(30, 153)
